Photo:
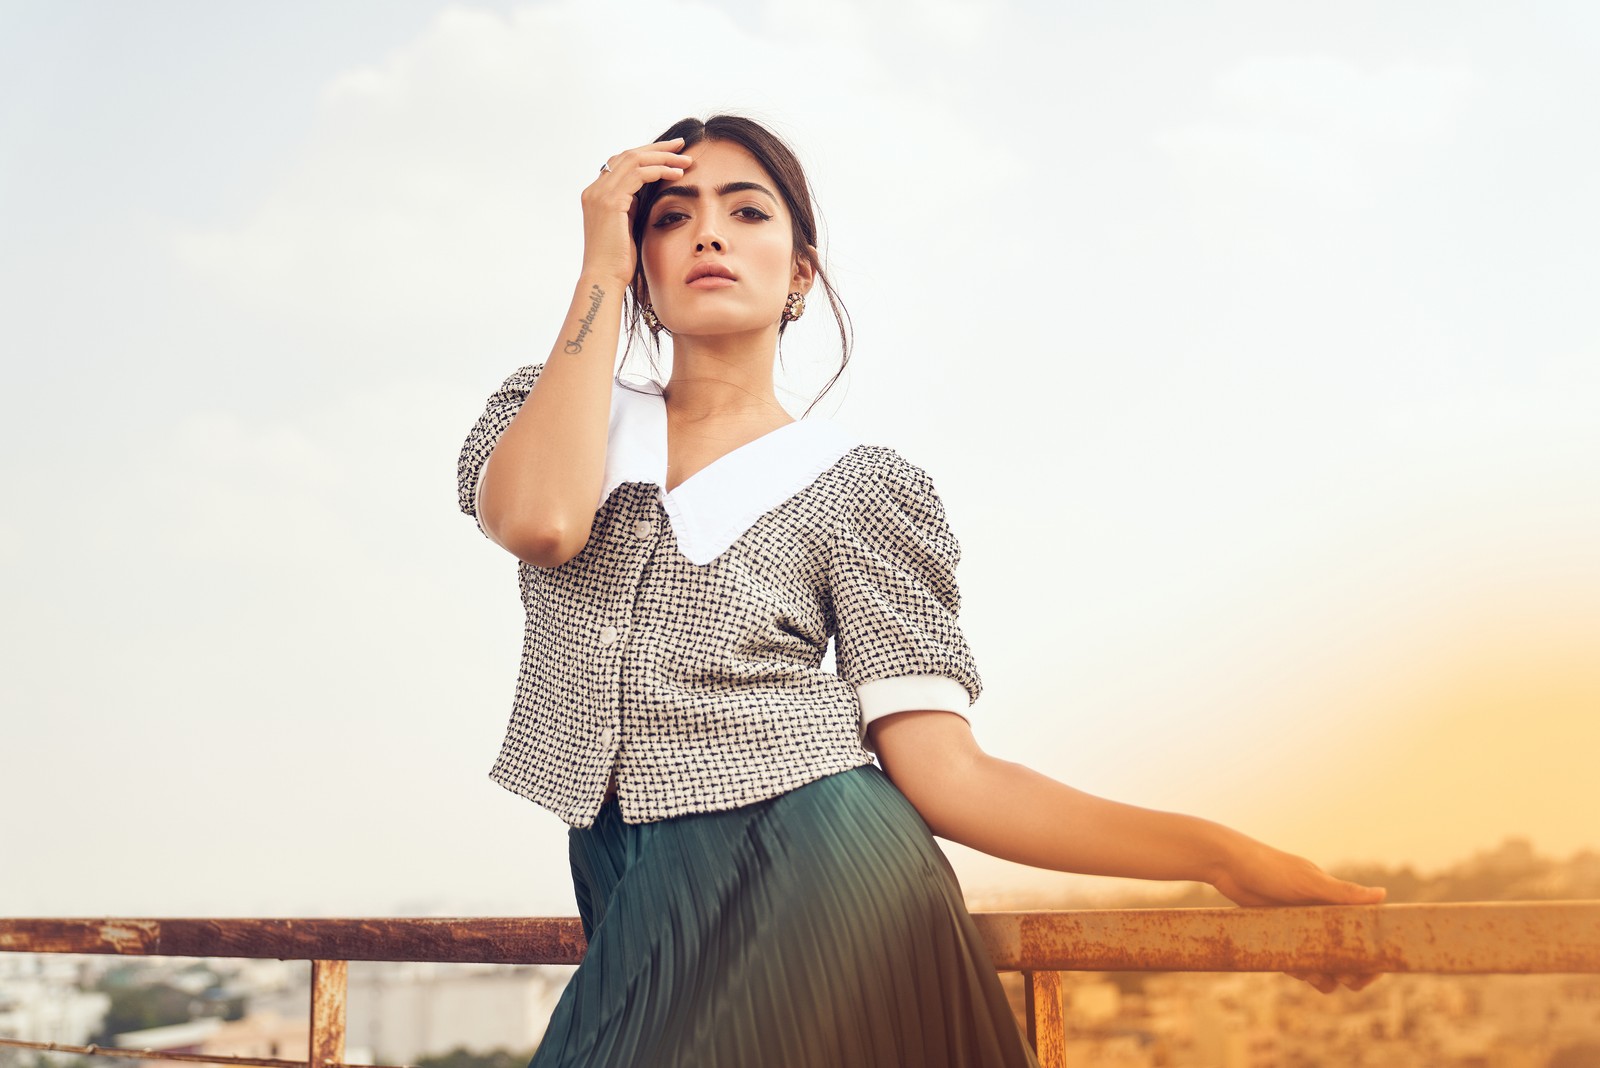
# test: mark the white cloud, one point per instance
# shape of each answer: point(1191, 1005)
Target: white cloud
point(442, 183)
point(1319, 122)
point(435, 200)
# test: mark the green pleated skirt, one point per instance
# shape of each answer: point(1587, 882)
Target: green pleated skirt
point(823, 928)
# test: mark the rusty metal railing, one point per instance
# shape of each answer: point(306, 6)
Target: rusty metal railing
point(1461, 939)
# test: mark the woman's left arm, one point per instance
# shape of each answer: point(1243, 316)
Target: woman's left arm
point(1011, 811)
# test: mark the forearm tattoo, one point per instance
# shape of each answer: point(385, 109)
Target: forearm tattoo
point(596, 297)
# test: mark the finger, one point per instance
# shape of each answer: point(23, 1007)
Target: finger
point(1345, 892)
point(639, 159)
point(1320, 887)
point(647, 154)
point(629, 174)
point(665, 145)
point(627, 181)
point(656, 174)
point(1322, 982)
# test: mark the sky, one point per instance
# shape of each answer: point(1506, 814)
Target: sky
point(1252, 348)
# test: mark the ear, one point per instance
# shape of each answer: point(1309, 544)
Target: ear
point(641, 291)
point(804, 274)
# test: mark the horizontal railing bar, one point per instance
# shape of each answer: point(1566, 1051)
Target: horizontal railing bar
point(1453, 938)
point(163, 1055)
point(475, 940)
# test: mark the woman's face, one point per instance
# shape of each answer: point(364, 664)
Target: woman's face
point(718, 247)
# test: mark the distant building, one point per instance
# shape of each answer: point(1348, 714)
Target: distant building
point(402, 1013)
point(40, 1001)
point(263, 1034)
point(174, 1038)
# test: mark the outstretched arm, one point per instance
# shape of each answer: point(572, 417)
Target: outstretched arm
point(1011, 811)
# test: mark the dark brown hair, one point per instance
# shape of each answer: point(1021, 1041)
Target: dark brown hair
point(781, 163)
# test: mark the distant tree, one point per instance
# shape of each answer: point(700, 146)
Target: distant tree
point(134, 1008)
point(119, 975)
point(1583, 1055)
point(461, 1057)
point(1127, 982)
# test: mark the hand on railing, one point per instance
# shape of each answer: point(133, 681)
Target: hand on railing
point(1258, 874)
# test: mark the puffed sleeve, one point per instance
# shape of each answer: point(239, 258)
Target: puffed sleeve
point(895, 598)
point(502, 407)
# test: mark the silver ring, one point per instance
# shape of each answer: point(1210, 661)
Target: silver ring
point(605, 168)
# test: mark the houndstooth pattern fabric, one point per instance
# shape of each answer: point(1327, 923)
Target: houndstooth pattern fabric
point(702, 684)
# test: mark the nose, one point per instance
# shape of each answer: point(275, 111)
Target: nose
point(708, 237)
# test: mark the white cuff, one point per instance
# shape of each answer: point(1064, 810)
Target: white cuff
point(477, 496)
point(910, 693)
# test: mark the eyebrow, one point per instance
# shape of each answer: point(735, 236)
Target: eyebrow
point(692, 191)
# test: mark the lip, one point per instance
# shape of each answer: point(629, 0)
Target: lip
point(709, 276)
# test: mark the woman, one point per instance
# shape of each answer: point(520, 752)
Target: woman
point(755, 889)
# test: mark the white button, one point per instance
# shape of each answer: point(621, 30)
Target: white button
point(644, 528)
point(608, 634)
point(607, 737)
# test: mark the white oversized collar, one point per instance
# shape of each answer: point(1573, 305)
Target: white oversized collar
point(712, 508)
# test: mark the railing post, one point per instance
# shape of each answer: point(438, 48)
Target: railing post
point(328, 985)
point(1047, 1026)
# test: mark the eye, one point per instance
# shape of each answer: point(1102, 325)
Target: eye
point(753, 214)
point(667, 218)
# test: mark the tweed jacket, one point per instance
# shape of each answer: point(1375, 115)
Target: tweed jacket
point(683, 647)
